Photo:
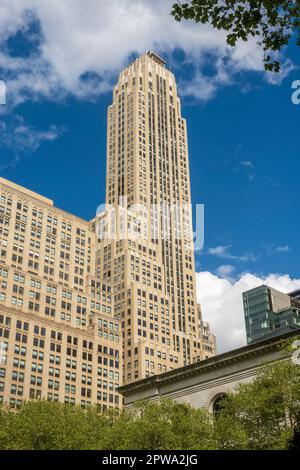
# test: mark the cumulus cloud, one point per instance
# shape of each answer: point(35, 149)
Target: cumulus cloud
point(222, 306)
point(83, 43)
point(226, 271)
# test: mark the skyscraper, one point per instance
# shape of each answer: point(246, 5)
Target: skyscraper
point(88, 305)
point(149, 257)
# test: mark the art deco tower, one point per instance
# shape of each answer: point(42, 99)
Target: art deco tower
point(150, 258)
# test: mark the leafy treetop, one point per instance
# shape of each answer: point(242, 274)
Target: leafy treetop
point(272, 22)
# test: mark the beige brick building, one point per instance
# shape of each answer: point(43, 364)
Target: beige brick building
point(58, 337)
point(82, 311)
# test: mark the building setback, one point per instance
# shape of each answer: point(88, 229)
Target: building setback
point(82, 312)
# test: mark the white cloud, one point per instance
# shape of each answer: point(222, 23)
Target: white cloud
point(223, 251)
point(226, 271)
point(277, 78)
point(84, 36)
point(20, 138)
point(222, 307)
point(282, 249)
point(218, 250)
point(272, 249)
point(248, 164)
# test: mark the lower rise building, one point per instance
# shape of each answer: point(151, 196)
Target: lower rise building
point(59, 339)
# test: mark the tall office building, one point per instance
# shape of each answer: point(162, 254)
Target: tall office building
point(147, 247)
point(269, 312)
point(87, 306)
point(58, 337)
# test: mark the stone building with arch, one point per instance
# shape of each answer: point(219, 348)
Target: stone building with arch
point(205, 383)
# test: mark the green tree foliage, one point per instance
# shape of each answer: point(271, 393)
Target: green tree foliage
point(294, 442)
point(164, 425)
point(41, 425)
point(264, 414)
point(272, 22)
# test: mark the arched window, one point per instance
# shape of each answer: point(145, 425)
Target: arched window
point(218, 403)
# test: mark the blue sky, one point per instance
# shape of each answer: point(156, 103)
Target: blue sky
point(243, 130)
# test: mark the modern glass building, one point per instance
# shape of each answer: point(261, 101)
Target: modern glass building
point(269, 312)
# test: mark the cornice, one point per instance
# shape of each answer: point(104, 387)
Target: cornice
point(211, 364)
